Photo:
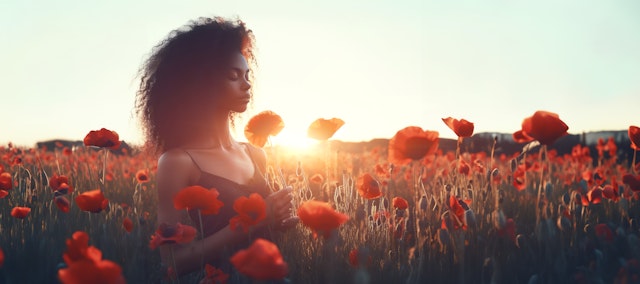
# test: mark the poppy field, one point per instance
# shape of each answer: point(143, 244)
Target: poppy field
point(408, 212)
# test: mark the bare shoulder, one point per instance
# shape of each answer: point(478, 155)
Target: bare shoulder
point(174, 167)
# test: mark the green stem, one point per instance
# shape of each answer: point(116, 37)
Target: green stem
point(201, 241)
point(542, 151)
point(104, 165)
point(175, 267)
point(633, 162)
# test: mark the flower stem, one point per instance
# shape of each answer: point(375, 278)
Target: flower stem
point(633, 162)
point(201, 241)
point(104, 165)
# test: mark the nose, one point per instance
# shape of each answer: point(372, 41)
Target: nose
point(246, 85)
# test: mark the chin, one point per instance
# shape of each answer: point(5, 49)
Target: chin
point(240, 109)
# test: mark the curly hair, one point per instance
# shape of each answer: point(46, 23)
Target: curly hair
point(178, 80)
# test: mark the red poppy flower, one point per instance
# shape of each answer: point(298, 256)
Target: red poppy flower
point(3, 193)
point(142, 176)
point(213, 275)
point(78, 249)
point(261, 261)
point(103, 138)
point(62, 203)
point(632, 181)
point(320, 217)
point(103, 271)
point(610, 191)
point(519, 178)
point(544, 126)
point(400, 203)
point(172, 234)
point(457, 212)
point(5, 181)
point(603, 232)
point(60, 183)
point(85, 263)
point(634, 136)
point(520, 137)
point(20, 212)
point(509, 230)
point(127, 224)
point(261, 126)
point(412, 143)
point(462, 128)
point(198, 198)
point(1, 258)
point(355, 257)
point(251, 211)
point(323, 129)
point(368, 187)
point(593, 196)
point(92, 201)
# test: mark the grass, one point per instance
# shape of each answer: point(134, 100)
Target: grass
point(558, 239)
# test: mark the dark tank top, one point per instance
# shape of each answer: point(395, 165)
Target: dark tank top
point(229, 191)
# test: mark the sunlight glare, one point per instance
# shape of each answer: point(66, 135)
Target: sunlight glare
point(293, 141)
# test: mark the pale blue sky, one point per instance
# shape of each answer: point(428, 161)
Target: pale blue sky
point(67, 67)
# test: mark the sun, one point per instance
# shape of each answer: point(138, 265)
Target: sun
point(293, 141)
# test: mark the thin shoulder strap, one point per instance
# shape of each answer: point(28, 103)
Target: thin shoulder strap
point(192, 159)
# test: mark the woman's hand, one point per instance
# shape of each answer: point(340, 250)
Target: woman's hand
point(279, 208)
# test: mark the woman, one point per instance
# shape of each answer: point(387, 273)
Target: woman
point(192, 86)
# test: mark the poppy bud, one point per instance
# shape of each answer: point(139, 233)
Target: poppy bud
point(423, 203)
point(471, 218)
point(499, 220)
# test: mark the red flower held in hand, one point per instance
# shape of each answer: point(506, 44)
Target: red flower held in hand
point(261, 261)
point(634, 136)
point(251, 211)
point(103, 138)
point(20, 212)
point(261, 126)
point(412, 143)
point(368, 187)
point(544, 126)
point(92, 201)
point(320, 217)
point(198, 198)
point(462, 128)
point(323, 129)
point(172, 234)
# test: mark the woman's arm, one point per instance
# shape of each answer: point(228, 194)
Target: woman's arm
point(175, 171)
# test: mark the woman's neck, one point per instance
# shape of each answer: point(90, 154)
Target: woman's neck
point(218, 136)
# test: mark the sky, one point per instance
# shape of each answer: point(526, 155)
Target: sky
point(68, 67)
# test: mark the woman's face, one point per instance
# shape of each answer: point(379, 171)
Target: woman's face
point(235, 87)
